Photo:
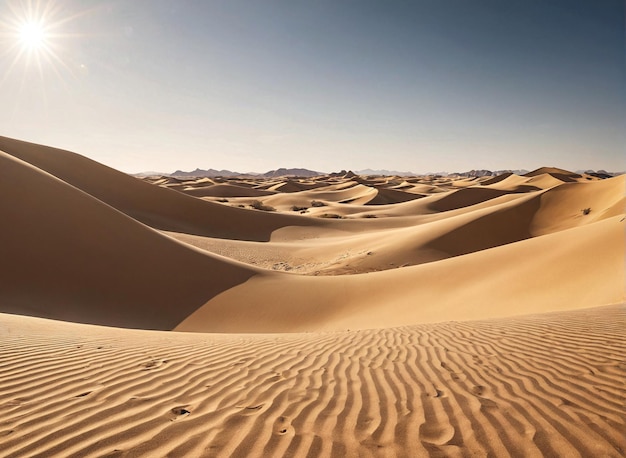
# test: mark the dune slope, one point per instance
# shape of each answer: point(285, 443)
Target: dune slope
point(155, 206)
point(580, 267)
point(66, 255)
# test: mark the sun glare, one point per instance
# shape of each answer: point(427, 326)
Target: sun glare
point(32, 35)
point(36, 40)
point(31, 38)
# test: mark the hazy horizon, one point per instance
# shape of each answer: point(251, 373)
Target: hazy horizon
point(419, 86)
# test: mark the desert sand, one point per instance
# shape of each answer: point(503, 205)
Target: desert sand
point(338, 315)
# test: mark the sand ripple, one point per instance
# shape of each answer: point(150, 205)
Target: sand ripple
point(542, 385)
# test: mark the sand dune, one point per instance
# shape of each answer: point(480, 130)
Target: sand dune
point(542, 385)
point(332, 316)
point(571, 269)
point(560, 174)
point(372, 245)
point(454, 247)
point(392, 196)
point(296, 186)
point(67, 255)
point(155, 206)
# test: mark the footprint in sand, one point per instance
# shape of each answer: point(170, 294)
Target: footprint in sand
point(485, 403)
point(153, 364)
point(435, 393)
point(436, 433)
point(179, 412)
point(478, 390)
point(282, 426)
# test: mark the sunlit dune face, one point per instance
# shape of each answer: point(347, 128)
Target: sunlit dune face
point(32, 35)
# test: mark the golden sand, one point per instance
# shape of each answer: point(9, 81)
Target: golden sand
point(334, 315)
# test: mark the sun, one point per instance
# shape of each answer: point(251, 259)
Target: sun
point(32, 35)
point(36, 38)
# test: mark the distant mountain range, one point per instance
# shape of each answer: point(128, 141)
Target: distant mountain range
point(205, 173)
point(300, 172)
point(282, 172)
point(211, 173)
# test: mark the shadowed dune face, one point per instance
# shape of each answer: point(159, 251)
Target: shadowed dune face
point(66, 255)
point(465, 198)
point(223, 190)
point(392, 196)
point(495, 228)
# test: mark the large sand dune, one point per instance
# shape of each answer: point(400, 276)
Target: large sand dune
point(67, 255)
point(155, 206)
point(348, 315)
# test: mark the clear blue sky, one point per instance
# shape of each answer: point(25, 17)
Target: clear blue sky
point(423, 85)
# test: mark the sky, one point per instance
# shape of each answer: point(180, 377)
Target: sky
point(421, 86)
